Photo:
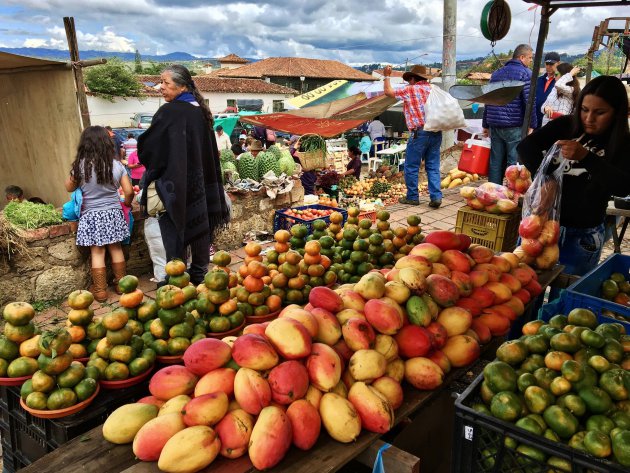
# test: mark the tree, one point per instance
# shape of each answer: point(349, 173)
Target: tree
point(154, 68)
point(111, 80)
point(138, 61)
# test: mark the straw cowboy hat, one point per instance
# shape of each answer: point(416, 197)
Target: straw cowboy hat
point(256, 146)
point(418, 72)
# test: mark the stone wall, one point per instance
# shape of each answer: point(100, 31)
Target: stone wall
point(255, 211)
point(51, 265)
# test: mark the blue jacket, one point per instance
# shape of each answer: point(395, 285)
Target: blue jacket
point(510, 115)
point(541, 96)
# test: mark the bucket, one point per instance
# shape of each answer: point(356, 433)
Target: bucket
point(475, 157)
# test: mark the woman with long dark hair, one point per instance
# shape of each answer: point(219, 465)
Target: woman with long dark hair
point(180, 154)
point(564, 94)
point(98, 172)
point(595, 140)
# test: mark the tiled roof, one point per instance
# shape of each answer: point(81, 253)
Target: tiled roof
point(394, 72)
point(233, 59)
point(209, 83)
point(295, 67)
point(478, 75)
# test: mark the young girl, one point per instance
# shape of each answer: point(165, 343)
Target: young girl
point(98, 172)
point(564, 94)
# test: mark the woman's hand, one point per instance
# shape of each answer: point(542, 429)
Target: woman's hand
point(387, 71)
point(548, 111)
point(575, 71)
point(572, 150)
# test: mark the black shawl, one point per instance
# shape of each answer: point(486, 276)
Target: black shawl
point(180, 154)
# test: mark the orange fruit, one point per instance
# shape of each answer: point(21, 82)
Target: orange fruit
point(76, 332)
point(273, 272)
point(400, 232)
point(281, 247)
point(325, 262)
point(279, 280)
point(253, 248)
point(228, 307)
point(293, 257)
point(282, 236)
point(336, 217)
point(413, 230)
point(316, 270)
point(253, 284)
point(312, 259)
point(399, 242)
point(266, 279)
point(249, 259)
point(243, 271)
point(296, 283)
point(312, 247)
point(256, 269)
point(175, 267)
point(274, 303)
point(256, 299)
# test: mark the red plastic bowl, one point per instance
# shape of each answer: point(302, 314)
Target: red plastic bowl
point(170, 360)
point(227, 333)
point(14, 381)
point(125, 383)
point(256, 319)
point(56, 414)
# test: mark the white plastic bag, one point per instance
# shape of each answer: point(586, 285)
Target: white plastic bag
point(442, 111)
point(153, 237)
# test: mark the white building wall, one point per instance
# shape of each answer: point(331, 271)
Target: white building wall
point(119, 112)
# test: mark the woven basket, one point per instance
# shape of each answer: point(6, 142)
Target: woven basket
point(310, 160)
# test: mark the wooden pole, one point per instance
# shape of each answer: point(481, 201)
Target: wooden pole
point(73, 46)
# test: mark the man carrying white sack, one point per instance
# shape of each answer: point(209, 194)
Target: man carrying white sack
point(422, 144)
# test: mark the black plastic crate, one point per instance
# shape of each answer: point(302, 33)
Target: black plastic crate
point(31, 437)
point(12, 462)
point(479, 444)
point(283, 221)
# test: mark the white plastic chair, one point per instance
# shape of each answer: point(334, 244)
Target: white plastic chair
point(373, 164)
point(365, 157)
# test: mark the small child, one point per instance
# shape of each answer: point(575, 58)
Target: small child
point(98, 172)
point(135, 167)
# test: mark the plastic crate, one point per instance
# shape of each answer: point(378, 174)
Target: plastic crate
point(11, 462)
point(587, 289)
point(567, 301)
point(497, 232)
point(479, 444)
point(371, 215)
point(284, 221)
point(30, 437)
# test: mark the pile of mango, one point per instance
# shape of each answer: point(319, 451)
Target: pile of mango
point(455, 178)
point(568, 381)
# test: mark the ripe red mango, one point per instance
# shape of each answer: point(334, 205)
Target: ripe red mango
point(523, 295)
point(288, 382)
point(172, 381)
point(497, 324)
point(481, 254)
point(234, 430)
point(271, 438)
point(470, 305)
point(152, 436)
point(534, 288)
point(463, 282)
point(413, 341)
point(207, 355)
point(325, 298)
point(461, 350)
point(383, 316)
point(483, 332)
point(305, 422)
point(255, 352)
point(483, 296)
point(442, 290)
point(439, 334)
point(444, 240)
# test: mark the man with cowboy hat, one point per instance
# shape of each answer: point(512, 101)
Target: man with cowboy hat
point(422, 144)
point(255, 148)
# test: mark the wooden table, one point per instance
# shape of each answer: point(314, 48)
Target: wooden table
point(611, 222)
point(91, 452)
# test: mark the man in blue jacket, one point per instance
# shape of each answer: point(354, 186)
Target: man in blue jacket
point(504, 122)
point(545, 83)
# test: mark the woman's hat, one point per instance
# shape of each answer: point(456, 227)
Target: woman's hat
point(242, 137)
point(418, 71)
point(256, 146)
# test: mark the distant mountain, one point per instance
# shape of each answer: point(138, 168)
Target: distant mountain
point(61, 55)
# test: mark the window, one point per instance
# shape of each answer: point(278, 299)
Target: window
point(278, 105)
point(231, 102)
point(207, 102)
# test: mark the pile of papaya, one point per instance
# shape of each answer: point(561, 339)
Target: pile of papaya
point(59, 382)
point(568, 381)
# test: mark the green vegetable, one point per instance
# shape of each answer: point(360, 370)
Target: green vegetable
point(312, 143)
point(29, 215)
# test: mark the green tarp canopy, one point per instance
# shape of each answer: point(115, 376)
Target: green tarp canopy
point(228, 123)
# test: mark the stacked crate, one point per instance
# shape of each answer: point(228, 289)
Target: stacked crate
point(337, 154)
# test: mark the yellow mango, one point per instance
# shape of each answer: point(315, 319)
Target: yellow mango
point(123, 424)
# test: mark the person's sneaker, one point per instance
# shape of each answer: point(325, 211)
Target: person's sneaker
point(434, 204)
point(404, 200)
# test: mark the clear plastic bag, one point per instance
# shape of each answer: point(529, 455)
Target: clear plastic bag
point(540, 226)
point(442, 111)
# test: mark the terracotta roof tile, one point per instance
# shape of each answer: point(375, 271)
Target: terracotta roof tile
point(295, 67)
point(394, 72)
point(210, 83)
point(233, 59)
point(478, 75)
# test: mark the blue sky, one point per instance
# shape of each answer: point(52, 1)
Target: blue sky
point(351, 31)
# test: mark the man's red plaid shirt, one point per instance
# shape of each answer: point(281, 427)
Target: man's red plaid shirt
point(414, 97)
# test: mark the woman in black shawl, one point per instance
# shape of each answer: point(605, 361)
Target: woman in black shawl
point(180, 154)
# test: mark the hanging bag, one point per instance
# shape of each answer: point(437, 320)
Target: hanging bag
point(540, 226)
point(71, 210)
point(155, 205)
point(442, 111)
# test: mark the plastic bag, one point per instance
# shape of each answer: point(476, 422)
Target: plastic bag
point(491, 197)
point(442, 112)
point(71, 210)
point(540, 226)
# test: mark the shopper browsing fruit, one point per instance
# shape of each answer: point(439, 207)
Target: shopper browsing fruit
point(354, 165)
point(595, 140)
point(98, 172)
point(422, 144)
point(180, 154)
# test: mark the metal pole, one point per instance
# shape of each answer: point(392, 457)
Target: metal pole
point(540, 45)
point(449, 62)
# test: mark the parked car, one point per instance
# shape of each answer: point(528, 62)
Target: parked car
point(124, 131)
point(141, 120)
